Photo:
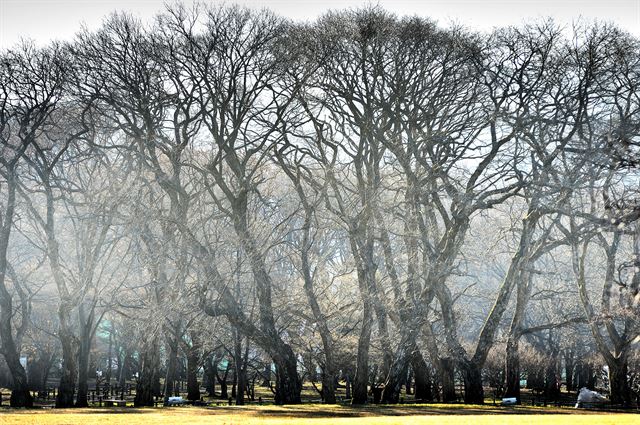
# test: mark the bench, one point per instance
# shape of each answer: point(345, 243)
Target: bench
point(116, 403)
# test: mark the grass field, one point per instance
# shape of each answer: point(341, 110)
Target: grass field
point(318, 414)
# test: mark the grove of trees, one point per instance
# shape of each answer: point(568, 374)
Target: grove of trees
point(365, 200)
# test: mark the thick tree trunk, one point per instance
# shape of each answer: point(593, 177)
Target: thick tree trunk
point(172, 362)
point(473, 390)
point(288, 385)
point(512, 366)
point(83, 371)
point(193, 386)
point(552, 380)
point(396, 376)
point(398, 371)
point(222, 380)
point(361, 378)
point(20, 395)
point(569, 366)
point(362, 251)
point(512, 372)
point(329, 370)
point(328, 387)
point(148, 376)
point(210, 371)
point(447, 378)
point(422, 376)
point(619, 389)
point(385, 344)
point(66, 389)
point(535, 379)
point(84, 349)
point(123, 370)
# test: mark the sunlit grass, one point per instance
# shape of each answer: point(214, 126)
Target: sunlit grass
point(318, 414)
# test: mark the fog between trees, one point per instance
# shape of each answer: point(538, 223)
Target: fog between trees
point(365, 200)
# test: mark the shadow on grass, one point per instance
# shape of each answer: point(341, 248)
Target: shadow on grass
point(316, 411)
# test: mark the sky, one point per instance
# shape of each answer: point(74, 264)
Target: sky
point(45, 20)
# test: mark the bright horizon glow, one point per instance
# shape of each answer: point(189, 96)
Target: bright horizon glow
point(47, 20)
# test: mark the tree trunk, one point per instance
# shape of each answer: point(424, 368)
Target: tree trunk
point(512, 368)
point(535, 379)
point(569, 366)
point(66, 389)
point(288, 385)
point(619, 389)
point(238, 381)
point(84, 349)
point(172, 362)
point(193, 386)
point(148, 376)
point(107, 377)
point(328, 387)
point(422, 376)
point(329, 370)
point(241, 366)
point(473, 391)
point(210, 371)
point(447, 377)
point(395, 378)
point(361, 378)
point(552, 378)
point(224, 392)
point(266, 382)
point(20, 395)
point(83, 372)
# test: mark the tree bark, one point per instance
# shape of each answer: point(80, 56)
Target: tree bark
point(172, 361)
point(569, 367)
point(619, 389)
point(193, 386)
point(396, 375)
point(447, 378)
point(473, 390)
point(359, 389)
point(422, 376)
point(210, 371)
point(512, 369)
point(148, 376)
point(83, 372)
point(84, 349)
point(20, 395)
point(222, 380)
point(69, 374)
point(288, 385)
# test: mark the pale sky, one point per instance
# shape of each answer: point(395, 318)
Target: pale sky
point(44, 20)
